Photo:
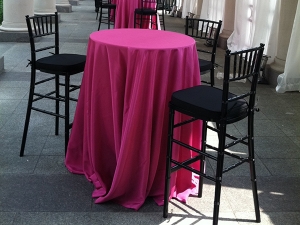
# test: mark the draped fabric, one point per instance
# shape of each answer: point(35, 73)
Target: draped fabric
point(209, 9)
point(215, 9)
point(119, 135)
point(254, 22)
point(290, 79)
point(190, 6)
point(257, 22)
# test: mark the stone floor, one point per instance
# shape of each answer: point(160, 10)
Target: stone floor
point(37, 188)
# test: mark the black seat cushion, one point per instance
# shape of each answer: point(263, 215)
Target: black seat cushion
point(109, 6)
point(205, 65)
point(145, 11)
point(205, 102)
point(62, 63)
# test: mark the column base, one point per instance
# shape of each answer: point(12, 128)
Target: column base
point(1, 64)
point(272, 73)
point(222, 42)
point(74, 2)
point(223, 37)
point(64, 8)
point(9, 36)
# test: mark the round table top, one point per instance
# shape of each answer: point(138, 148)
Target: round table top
point(142, 38)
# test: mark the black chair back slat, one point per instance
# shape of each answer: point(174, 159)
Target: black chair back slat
point(234, 65)
point(47, 31)
point(255, 56)
point(34, 20)
point(42, 25)
point(240, 64)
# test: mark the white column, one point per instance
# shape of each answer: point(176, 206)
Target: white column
point(199, 8)
point(228, 23)
point(42, 7)
point(14, 12)
point(63, 6)
point(286, 20)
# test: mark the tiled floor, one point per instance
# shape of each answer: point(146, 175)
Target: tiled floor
point(37, 189)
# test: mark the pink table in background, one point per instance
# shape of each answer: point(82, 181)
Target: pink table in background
point(125, 12)
point(119, 136)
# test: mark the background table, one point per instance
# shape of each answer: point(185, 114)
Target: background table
point(119, 134)
point(125, 13)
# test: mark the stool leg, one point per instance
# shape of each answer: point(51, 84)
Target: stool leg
point(57, 103)
point(100, 18)
point(212, 77)
point(219, 172)
point(252, 166)
point(134, 20)
point(97, 5)
point(114, 17)
point(202, 160)
point(163, 19)
point(67, 110)
point(108, 17)
point(168, 164)
point(28, 113)
point(157, 21)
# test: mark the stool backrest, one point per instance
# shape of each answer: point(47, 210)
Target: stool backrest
point(207, 30)
point(238, 66)
point(40, 26)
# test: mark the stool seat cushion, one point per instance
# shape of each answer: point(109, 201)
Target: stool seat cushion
point(109, 6)
point(205, 102)
point(145, 11)
point(62, 63)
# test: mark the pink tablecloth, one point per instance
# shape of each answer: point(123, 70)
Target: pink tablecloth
point(119, 135)
point(125, 13)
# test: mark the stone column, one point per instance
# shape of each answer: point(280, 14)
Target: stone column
point(1, 63)
point(42, 7)
point(63, 6)
point(286, 21)
point(198, 9)
point(74, 2)
point(14, 12)
point(228, 23)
